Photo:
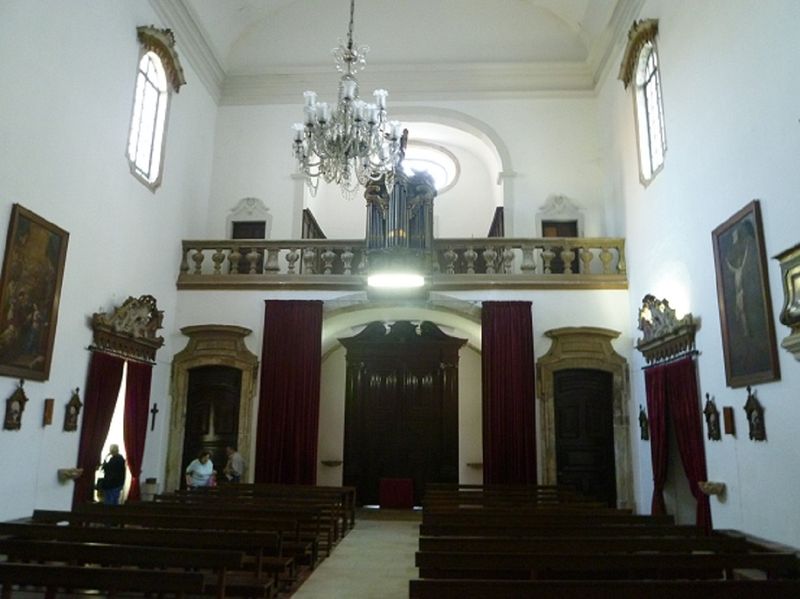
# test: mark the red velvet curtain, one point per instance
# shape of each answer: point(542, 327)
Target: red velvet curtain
point(672, 393)
point(509, 421)
point(684, 409)
point(656, 385)
point(288, 413)
point(100, 398)
point(137, 402)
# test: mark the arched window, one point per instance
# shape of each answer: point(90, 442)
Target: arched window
point(158, 74)
point(438, 162)
point(146, 141)
point(649, 113)
point(640, 69)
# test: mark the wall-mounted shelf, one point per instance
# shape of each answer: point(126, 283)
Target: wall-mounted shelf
point(711, 488)
point(65, 474)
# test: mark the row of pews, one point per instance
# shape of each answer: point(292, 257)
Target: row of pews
point(241, 540)
point(548, 542)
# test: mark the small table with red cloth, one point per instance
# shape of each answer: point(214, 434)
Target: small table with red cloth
point(396, 493)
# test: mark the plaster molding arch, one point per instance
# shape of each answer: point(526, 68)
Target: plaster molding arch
point(481, 130)
point(462, 317)
point(464, 122)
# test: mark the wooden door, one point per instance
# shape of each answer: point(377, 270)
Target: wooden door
point(401, 407)
point(585, 432)
point(554, 228)
point(212, 413)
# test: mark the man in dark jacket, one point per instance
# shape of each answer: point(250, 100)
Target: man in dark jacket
point(113, 476)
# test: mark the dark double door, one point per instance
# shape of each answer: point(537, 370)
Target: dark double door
point(401, 407)
point(212, 413)
point(585, 432)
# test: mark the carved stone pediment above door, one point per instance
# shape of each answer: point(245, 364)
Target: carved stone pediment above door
point(210, 345)
point(576, 348)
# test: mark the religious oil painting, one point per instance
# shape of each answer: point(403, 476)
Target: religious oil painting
point(33, 267)
point(745, 306)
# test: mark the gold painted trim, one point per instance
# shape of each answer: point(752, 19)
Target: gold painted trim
point(162, 43)
point(639, 34)
point(210, 345)
point(585, 347)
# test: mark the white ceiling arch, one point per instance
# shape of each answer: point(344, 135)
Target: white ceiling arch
point(263, 51)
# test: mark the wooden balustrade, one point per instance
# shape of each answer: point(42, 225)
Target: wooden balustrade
point(472, 263)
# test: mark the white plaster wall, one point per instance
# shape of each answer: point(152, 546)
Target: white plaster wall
point(465, 210)
point(470, 416)
point(730, 85)
point(551, 309)
point(553, 143)
point(69, 71)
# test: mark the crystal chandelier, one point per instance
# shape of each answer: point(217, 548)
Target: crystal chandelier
point(352, 143)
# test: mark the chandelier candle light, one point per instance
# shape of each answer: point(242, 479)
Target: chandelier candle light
point(352, 143)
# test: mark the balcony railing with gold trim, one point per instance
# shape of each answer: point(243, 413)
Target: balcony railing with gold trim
point(472, 263)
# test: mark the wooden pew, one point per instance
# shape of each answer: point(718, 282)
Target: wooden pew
point(291, 546)
point(218, 563)
point(314, 518)
point(719, 543)
point(495, 517)
point(598, 589)
point(257, 544)
point(107, 580)
point(557, 529)
point(602, 566)
point(344, 496)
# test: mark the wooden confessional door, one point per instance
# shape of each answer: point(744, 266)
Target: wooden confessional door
point(401, 407)
point(212, 413)
point(585, 432)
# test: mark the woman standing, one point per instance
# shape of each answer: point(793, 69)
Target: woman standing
point(200, 472)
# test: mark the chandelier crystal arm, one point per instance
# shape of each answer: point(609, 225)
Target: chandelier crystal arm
point(354, 143)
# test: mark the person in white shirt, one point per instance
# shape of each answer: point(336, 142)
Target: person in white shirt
point(200, 472)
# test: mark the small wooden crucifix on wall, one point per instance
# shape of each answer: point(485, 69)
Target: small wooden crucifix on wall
point(154, 410)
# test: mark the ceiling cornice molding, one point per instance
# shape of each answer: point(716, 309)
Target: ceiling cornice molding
point(423, 82)
point(613, 37)
point(193, 42)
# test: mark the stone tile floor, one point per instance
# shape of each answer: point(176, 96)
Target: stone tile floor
point(374, 561)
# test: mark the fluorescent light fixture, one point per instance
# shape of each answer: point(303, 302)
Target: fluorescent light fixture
point(395, 280)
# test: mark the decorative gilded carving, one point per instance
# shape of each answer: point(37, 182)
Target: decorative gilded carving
point(15, 406)
point(162, 43)
point(130, 330)
point(712, 419)
point(755, 417)
point(639, 34)
point(664, 336)
point(790, 315)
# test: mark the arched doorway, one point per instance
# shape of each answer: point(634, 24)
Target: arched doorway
point(401, 407)
point(586, 348)
point(211, 348)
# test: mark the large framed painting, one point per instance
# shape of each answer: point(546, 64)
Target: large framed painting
point(745, 305)
point(30, 287)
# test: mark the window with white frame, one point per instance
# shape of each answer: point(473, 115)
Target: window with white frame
point(146, 140)
point(159, 73)
point(649, 113)
point(640, 70)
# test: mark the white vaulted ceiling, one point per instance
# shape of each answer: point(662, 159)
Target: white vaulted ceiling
point(258, 51)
